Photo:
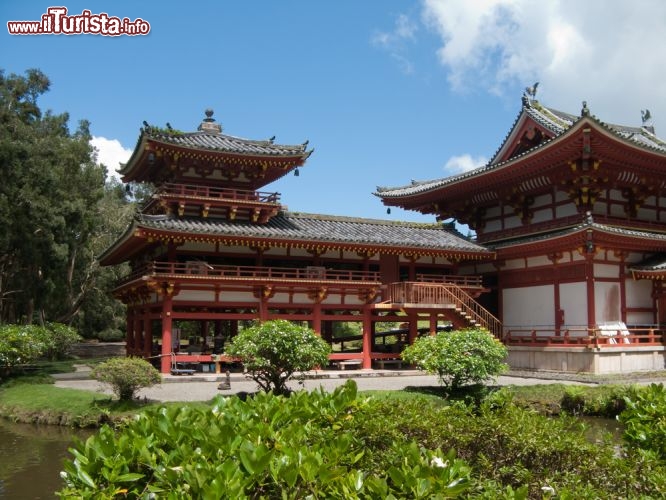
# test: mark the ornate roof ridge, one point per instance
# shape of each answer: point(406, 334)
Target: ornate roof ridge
point(587, 224)
point(557, 121)
point(363, 220)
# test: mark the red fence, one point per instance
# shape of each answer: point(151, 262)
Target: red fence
point(582, 336)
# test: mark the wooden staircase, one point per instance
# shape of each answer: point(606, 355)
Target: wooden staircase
point(433, 296)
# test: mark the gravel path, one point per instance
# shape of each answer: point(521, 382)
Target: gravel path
point(205, 387)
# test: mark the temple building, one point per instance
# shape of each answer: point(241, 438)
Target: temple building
point(213, 249)
point(574, 211)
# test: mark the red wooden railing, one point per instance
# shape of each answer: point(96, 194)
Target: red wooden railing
point(196, 269)
point(583, 336)
point(461, 281)
point(189, 190)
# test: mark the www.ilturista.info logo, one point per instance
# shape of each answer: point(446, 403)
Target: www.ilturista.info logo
point(56, 22)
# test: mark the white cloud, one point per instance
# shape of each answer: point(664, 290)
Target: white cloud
point(111, 154)
point(395, 42)
point(607, 52)
point(464, 163)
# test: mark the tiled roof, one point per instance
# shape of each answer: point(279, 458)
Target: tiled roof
point(323, 228)
point(226, 143)
point(655, 263)
point(653, 236)
point(556, 121)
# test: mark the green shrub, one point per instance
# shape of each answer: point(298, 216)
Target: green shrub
point(126, 376)
point(510, 449)
point(111, 335)
point(18, 345)
point(274, 351)
point(645, 420)
point(304, 446)
point(573, 400)
point(459, 357)
point(58, 340)
point(22, 344)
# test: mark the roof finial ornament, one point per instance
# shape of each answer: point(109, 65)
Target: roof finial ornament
point(584, 111)
point(646, 116)
point(209, 125)
point(531, 91)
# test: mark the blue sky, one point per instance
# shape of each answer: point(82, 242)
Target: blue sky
point(385, 91)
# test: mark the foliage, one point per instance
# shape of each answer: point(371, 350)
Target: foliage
point(513, 452)
point(58, 339)
point(58, 215)
point(573, 400)
point(605, 401)
point(126, 376)
point(304, 446)
point(22, 344)
point(459, 357)
point(645, 420)
point(274, 351)
point(18, 345)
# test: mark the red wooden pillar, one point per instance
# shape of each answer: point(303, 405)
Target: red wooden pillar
point(413, 327)
point(591, 307)
point(433, 323)
point(316, 318)
point(167, 322)
point(367, 338)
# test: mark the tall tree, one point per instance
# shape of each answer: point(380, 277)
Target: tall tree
point(49, 204)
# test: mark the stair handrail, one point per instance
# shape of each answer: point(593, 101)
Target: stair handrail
point(471, 307)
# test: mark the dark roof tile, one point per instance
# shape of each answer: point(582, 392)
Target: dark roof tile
point(324, 228)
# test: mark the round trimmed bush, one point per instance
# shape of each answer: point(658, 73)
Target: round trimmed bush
point(126, 376)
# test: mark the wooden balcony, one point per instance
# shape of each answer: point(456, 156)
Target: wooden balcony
point(202, 272)
point(254, 206)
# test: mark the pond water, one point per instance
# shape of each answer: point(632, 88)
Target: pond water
point(31, 459)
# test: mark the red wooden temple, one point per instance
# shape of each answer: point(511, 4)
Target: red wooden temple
point(215, 248)
point(574, 210)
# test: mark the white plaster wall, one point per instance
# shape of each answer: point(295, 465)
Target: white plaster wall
point(528, 307)
point(198, 295)
point(606, 271)
point(511, 222)
point(607, 302)
point(617, 211)
point(573, 301)
point(576, 256)
point(542, 215)
point(646, 214)
point(541, 260)
point(565, 210)
point(514, 264)
point(280, 298)
point(638, 293)
point(238, 297)
point(640, 318)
